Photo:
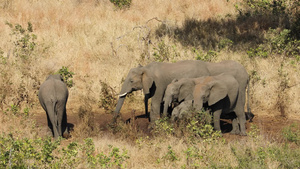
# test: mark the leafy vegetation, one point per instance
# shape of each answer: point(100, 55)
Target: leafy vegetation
point(262, 31)
point(45, 153)
point(66, 75)
point(121, 3)
point(292, 133)
point(277, 18)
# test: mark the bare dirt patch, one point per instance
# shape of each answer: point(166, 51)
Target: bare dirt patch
point(269, 126)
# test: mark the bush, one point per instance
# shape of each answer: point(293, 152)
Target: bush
point(121, 4)
point(44, 153)
point(108, 99)
point(66, 75)
point(292, 133)
point(209, 56)
point(24, 40)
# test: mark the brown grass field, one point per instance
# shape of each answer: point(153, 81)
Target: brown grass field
point(101, 43)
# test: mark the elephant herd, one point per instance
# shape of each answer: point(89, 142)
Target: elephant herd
point(221, 87)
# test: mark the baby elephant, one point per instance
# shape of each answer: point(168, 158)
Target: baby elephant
point(53, 96)
point(182, 110)
point(220, 93)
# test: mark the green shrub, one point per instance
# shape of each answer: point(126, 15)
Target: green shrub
point(258, 52)
point(45, 153)
point(193, 157)
point(170, 155)
point(163, 127)
point(66, 75)
point(164, 52)
point(121, 3)
point(114, 159)
point(292, 133)
point(198, 127)
point(23, 39)
point(209, 56)
point(3, 60)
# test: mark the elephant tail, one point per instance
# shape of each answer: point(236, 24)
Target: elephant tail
point(55, 114)
point(249, 114)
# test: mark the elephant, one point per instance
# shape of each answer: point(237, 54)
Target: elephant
point(53, 96)
point(220, 93)
point(184, 111)
point(154, 78)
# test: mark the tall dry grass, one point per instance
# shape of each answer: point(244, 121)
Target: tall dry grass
point(98, 43)
point(81, 34)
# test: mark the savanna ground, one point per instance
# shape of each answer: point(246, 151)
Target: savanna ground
point(94, 43)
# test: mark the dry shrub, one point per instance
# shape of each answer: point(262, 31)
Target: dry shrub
point(86, 126)
point(14, 121)
point(127, 129)
point(108, 97)
point(80, 35)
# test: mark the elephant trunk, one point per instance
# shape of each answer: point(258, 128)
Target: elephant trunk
point(167, 104)
point(124, 91)
point(198, 104)
point(120, 104)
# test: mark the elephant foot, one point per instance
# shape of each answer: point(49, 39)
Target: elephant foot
point(66, 135)
point(235, 132)
point(243, 134)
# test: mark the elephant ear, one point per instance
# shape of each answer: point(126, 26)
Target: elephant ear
point(185, 91)
point(218, 92)
point(174, 80)
point(147, 81)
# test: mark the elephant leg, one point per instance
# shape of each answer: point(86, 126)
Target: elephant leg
point(59, 124)
point(54, 125)
point(217, 115)
point(240, 112)
point(242, 121)
point(235, 127)
point(50, 126)
point(53, 118)
point(155, 110)
point(61, 111)
point(65, 129)
point(146, 106)
point(156, 105)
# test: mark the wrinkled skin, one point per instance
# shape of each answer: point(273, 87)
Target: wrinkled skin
point(220, 93)
point(53, 95)
point(154, 78)
point(182, 110)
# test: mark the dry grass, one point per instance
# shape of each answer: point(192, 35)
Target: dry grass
point(98, 43)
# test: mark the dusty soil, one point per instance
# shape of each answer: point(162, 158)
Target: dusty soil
point(270, 126)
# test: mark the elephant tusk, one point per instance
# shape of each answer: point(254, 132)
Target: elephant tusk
point(124, 94)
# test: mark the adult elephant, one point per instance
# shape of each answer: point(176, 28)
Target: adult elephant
point(154, 78)
point(53, 96)
point(220, 93)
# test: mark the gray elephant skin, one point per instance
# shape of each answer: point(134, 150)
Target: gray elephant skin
point(154, 78)
point(53, 95)
point(220, 93)
point(183, 111)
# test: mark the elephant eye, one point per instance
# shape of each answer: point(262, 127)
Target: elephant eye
point(131, 81)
